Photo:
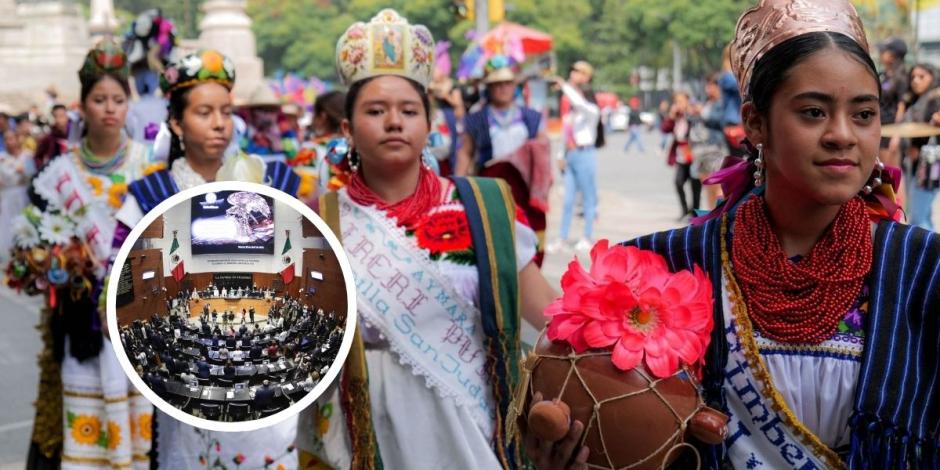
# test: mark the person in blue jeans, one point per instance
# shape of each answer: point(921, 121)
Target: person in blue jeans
point(583, 135)
point(923, 154)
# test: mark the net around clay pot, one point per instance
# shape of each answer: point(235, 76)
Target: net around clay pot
point(632, 420)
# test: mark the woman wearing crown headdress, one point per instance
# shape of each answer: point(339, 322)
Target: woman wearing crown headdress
point(440, 266)
point(86, 410)
point(827, 310)
point(199, 118)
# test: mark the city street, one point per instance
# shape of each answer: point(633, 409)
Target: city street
point(636, 198)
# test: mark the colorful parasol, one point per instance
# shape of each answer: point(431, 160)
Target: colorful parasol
point(509, 39)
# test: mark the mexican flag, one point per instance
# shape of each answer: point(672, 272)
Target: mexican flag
point(287, 274)
point(178, 271)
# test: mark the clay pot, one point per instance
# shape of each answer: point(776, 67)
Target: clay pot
point(639, 417)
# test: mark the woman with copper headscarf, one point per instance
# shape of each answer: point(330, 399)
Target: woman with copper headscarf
point(824, 350)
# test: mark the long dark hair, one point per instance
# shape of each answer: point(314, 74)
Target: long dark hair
point(589, 95)
point(179, 99)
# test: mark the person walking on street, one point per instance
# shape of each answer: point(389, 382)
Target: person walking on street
point(583, 135)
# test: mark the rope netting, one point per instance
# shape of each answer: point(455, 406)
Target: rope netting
point(672, 443)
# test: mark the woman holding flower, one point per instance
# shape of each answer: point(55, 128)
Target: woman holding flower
point(200, 120)
point(824, 352)
point(440, 265)
point(62, 245)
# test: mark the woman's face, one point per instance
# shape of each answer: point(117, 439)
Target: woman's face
point(389, 125)
point(822, 131)
point(105, 107)
point(921, 79)
point(206, 127)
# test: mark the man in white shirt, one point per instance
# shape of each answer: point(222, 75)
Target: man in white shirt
point(583, 134)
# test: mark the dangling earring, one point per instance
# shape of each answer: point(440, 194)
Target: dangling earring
point(182, 144)
point(353, 157)
point(759, 163)
point(876, 180)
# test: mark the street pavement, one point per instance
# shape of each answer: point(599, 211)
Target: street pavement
point(19, 346)
point(636, 197)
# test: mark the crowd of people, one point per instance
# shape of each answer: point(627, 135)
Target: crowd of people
point(177, 356)
point(802, 245)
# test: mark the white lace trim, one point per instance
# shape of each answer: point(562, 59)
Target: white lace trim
point(184, 175)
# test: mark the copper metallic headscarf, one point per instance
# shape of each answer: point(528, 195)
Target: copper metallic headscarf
point(772, 22)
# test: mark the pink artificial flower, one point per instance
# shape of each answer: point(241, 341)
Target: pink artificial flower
point(630, 303)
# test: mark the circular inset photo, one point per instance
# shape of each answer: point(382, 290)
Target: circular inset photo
point(229, 306)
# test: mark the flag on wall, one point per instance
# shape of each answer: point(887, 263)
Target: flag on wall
point(178, 272)
point(286, 245)
point(287, 274)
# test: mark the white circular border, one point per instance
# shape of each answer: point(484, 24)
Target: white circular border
point(325, 381)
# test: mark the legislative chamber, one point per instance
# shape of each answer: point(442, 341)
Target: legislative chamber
point(231, 306)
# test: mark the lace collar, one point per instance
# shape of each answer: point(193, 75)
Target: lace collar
point(184, 175)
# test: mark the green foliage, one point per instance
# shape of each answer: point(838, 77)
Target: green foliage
point(615, 35)
point(300, 36)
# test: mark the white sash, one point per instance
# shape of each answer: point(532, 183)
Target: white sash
point(758, 436)
point(405, 297)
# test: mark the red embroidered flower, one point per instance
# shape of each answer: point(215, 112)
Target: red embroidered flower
point(443, 231)
point(268, 460)
point(239, 458)
point(631, 304)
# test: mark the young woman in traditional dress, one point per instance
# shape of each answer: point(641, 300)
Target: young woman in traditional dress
point(824, 353)
point(87, 415)
point(200, 119)
point(438, 266)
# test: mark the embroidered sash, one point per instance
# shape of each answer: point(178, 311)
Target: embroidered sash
point(403, 295)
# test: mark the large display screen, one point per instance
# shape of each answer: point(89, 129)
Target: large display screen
point(232, 222)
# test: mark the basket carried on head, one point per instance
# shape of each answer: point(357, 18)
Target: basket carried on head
point(621, 355)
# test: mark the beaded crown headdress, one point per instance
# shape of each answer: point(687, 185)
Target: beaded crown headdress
point(200, 67)
point(386, 45)
point(772, 22)
point(106, 57)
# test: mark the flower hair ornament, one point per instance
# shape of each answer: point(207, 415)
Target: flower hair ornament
point(201, 67)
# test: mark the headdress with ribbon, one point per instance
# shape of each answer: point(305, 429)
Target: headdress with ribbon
point(386, 45)
point(105, 58)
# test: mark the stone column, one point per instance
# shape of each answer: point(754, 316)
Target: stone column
point(41, 44)
point(102, 21)
point(227, 28)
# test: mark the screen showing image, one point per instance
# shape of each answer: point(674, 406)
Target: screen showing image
point(232, 222)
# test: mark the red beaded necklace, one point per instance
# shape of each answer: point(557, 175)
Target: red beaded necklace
point(409, 210)
point(802, 301)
